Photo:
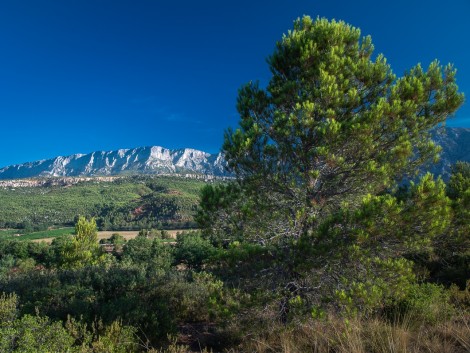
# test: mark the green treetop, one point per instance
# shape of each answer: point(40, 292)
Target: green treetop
point(86, 231)
point(82, 249)
point(333, 124)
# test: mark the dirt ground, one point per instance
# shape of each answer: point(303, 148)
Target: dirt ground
point(126, 234)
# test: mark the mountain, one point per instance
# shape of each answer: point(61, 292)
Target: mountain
point(455, 143)
point(143, 160)
point(158, 160)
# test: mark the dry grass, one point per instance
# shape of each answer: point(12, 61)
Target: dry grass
point(356, 336)
point(131, 234)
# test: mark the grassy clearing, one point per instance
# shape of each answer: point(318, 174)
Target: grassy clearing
point(49, 234)
point(8, 232)
point(52, 233)
point(132, 234)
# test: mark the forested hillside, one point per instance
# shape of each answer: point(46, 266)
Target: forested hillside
point(123, 203)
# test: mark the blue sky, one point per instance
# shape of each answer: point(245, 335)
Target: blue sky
point(83, 75)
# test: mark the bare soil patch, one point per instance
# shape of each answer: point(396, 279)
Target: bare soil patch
point(127, 234)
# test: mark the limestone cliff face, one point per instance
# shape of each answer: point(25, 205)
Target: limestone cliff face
point(455, 144)
point(143, 160)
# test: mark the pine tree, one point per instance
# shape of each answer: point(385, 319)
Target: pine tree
point(333, 125)
point(82, 249)
point(315, 155)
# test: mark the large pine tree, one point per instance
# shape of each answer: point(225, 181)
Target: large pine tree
point(333, 124)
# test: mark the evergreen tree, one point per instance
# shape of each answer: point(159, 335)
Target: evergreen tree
point(333, 125)
point(81, 249)
point(315, 154)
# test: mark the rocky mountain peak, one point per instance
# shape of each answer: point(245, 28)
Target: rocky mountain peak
point(142, 160)
point(455, 144)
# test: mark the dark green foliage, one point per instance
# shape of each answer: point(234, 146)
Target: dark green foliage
point(222, 212)
point(29, 333)
point(40, 252)
point(213, 198)
point(116, 240)
point(121, 291)
point(459, 182)
point(426, 303)
point(450, 261)
point(39, 334)
point(193, 250)
point(356, 261)
point(148, 253)
point(194, 297)
point(139, 286)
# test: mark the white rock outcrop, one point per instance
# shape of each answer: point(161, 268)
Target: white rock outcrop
point(143, 160)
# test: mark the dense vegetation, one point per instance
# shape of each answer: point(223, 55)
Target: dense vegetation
point(316, 247)
point(126, 203)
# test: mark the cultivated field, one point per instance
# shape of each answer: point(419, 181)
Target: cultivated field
point(131, 234)
point(49, 235)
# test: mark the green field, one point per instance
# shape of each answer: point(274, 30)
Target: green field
point(51, 233)
point(6, 233)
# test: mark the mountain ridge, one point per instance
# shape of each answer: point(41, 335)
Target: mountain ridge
point(159, 160)
point(139, 160)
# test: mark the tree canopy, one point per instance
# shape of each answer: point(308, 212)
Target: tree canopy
point(333, 124)
point(81, 249)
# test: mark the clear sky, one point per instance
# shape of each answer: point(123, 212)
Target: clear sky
point(83, 75)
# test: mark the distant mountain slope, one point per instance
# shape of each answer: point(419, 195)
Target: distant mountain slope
point(143, 160)
point(158, 160)
point(455, 143)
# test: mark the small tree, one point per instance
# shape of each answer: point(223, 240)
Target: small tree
point(86, 231)
point(82, 248)
point(193, 250)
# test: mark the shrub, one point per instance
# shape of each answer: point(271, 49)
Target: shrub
point(193, 250)
point(425, 303)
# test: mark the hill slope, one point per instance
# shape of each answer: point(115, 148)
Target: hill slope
point(455, 143)
point(117, 203)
